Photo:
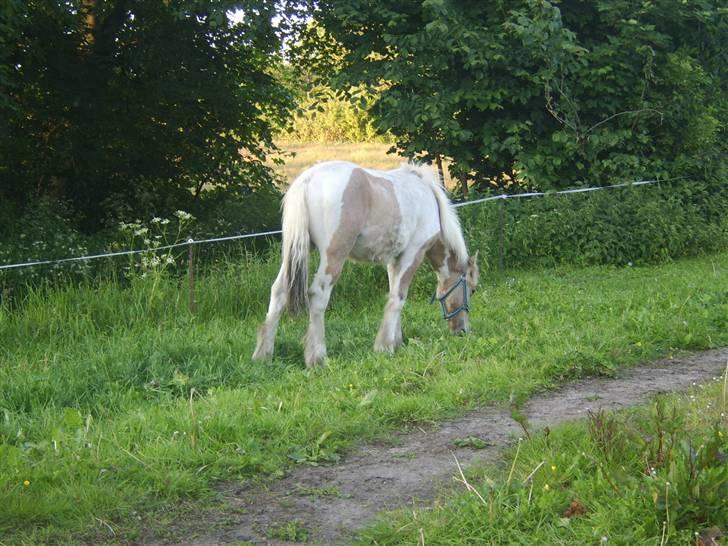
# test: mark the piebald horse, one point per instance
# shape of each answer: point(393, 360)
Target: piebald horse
point(394, 218)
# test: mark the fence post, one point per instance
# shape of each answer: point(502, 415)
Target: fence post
point(191, 275)
point(501, 234)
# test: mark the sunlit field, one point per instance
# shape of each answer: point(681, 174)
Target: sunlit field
point(368, 154)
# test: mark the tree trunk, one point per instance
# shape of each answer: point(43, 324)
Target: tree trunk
point(438, 160)
point(463, 178)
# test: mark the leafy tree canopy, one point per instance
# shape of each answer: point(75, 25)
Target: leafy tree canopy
point(125, 107)
point(538, 92)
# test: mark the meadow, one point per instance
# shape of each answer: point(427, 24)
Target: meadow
point(121, 407)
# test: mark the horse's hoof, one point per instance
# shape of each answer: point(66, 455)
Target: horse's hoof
point(317, 364)
point(262, 356)
point(386, 348)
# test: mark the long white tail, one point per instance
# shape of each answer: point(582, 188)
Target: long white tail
point(296, 245)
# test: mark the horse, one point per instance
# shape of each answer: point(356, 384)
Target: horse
point(394, 218)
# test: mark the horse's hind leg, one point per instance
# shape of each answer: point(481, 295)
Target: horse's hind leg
point(318, 299)
point(267, 331)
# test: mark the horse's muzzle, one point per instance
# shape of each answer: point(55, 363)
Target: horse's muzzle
point(460, 330)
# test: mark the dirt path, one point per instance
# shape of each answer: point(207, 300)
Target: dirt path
point(375, 478)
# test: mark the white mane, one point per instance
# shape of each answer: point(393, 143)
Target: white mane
point(449, 221)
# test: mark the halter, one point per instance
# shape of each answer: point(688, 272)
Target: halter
point(465, 305)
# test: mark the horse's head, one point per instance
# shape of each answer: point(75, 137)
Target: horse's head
point(454, 291)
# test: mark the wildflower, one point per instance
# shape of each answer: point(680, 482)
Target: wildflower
point(26, 483)
point(182, 215)
point(164, 221)
point(553, 467)
point(546, 487)
point(156, 220)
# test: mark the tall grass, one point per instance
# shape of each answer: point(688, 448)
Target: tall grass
point(118, 402)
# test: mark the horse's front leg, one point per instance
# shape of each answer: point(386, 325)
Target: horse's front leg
point(389, 337)
point(319, 294)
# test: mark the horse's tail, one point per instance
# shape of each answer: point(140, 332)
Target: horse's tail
point(450, 228)
point(296, 245)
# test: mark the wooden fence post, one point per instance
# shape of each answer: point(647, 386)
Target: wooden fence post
point(501, 234)
point(191, 276)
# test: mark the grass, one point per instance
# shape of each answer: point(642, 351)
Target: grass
point(119, 404)
point(655, 474)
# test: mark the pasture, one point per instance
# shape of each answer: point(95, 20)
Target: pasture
point(121, 409)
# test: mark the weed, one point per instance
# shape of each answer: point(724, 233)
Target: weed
point(293, 531)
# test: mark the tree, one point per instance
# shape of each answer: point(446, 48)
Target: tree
point(128, 107)
point(541, 93)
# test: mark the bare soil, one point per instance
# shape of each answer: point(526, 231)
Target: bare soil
point(330, 503)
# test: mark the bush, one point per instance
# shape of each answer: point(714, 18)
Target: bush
point(623, 226)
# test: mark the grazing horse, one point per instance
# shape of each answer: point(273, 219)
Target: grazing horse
point(394, 218)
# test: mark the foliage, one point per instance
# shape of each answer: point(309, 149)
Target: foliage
point(127, 108)
point(653, 475)
point(116, 405)
point(325, 116)
point(622, 226)
point(540, 93)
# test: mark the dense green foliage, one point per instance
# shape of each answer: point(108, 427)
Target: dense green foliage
point(544, 93)
point(118, 402)
point(126, 108)
point(325, 116)
point(621, 226)
point(650, 475)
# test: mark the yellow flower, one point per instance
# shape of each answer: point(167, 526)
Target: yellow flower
point(553, 467)
point(546, 487)
point(26, 483)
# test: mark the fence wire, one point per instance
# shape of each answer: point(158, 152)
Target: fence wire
point(191, 242)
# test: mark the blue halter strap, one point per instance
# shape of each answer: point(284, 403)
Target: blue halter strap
point(462, 281)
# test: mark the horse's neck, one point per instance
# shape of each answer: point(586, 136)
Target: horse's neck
point(443, 260)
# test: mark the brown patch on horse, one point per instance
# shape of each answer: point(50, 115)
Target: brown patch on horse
point(438, 254)
point(367, 201)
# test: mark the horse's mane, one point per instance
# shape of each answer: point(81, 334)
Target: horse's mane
point(449, 223)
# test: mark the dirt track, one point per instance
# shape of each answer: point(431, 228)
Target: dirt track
point(375, 478)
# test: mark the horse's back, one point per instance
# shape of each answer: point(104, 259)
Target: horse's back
point(377, 213)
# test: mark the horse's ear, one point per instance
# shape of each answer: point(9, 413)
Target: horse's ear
point(473, 273)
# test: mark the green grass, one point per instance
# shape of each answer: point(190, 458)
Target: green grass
point(655, 474)
point(118, 404)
